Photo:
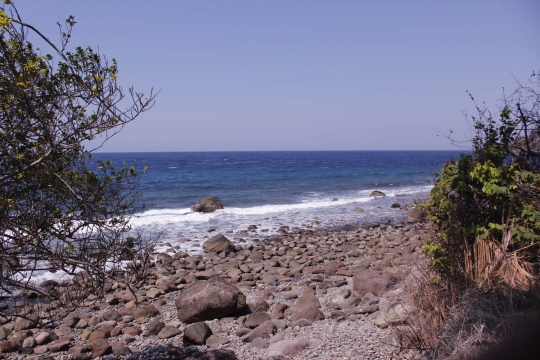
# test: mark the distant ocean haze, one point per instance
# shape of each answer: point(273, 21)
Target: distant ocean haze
point(274, 189)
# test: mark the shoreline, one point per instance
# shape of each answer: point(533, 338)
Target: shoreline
point(274, 275)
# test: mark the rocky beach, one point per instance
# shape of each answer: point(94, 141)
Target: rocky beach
point(300, 294)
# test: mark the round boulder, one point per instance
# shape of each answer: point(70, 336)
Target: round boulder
point(208, 300)
point(218, 243)
point(377, 193)
point(207, 205)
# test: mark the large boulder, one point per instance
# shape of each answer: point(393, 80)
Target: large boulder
point(307, 307)
point(208, 300)
point(218, 243)
point(207, 205)
point(370, 281)
point(377, 193)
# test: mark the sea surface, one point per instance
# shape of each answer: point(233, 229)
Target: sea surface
point(274, 189)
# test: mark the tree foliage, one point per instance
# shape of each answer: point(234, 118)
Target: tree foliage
point(59, 210)
point(494, 189)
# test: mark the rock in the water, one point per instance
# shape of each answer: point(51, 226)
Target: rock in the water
point(377, 193)
point(367, 280)
point(207, 205)
point(358, 209)
point(197, 333)
point(208, 300)
point(395, 206)
point(218, 243)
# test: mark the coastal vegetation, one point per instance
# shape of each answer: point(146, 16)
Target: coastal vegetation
point(485, 208)
point(59, 209)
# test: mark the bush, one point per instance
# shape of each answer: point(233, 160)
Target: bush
point(488, 202)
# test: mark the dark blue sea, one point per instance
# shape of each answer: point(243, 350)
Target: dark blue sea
point(273, 189)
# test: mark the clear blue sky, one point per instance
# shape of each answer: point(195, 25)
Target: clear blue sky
point(304, 75)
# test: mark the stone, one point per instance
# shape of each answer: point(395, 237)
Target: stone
point(80, 349)
point(197, 333)
point(63, 331)
point(145, 312)
point(265, 330)
point(259, 343)
point(415, 216)
point(4, 333)
point(367, 280)
point(168, 332)
point(62, 344)
point(207, 205)
point(377, 193)
point(307, 307)
point(154, 327)
point(278, 310)
point(43, 338)
point(288, 347)
point(23, 324)
point(218, 243)
point(41, 349)
point(358, 209)
point(128, 339)
point(255, 319)
point(111, 315)
point(214, 340)
point(396, 314)
point(71, 320)
point(208, 300)
point(219, 354)
point(118, 349)
point(29, 342)
point(99, 334)
point(100, 347)
point(133, 330)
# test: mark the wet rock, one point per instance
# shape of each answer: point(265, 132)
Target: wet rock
point(377, 193)
point(207, 205)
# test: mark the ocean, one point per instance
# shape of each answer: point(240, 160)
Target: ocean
point(274, 189)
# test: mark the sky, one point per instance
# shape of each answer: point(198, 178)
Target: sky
point(304, 75)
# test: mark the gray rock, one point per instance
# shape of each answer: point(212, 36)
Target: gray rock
point(154, 327)
point(100, 347)
point(29, 342)
point(367, 280)
point(206, 205)
point(394, 315)
point(118, 349)
point(256, 319)
point(218, 243)
point(43, 338)
point(168, 332)
point(145, 312)
point(197, 333)
point(264, 330)
point(288, 347)
point(377, 193)
point(208, 300)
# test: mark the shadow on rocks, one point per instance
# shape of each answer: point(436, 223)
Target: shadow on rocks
point(181, 353)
